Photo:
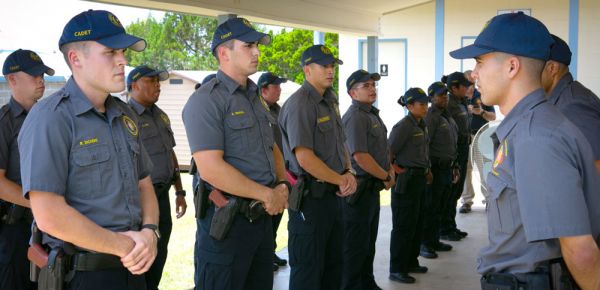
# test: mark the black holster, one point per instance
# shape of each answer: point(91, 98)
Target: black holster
point(201, 199)
point(223, 219)
point(12, 213)
point(402, 182)
point(52, 277)
point(299, 190)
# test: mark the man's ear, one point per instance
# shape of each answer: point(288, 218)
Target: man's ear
point(514, 66)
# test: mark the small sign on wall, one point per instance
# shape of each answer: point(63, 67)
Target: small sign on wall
point(383, 70)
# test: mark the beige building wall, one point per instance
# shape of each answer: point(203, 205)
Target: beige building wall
point(417, 26)
point(588, 71)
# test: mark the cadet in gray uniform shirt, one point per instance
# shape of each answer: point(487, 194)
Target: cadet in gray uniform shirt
point(313, 142)
point(24, 72)
point(229, 132)
point(83, 165)
point(367, 143)
point(580, 105)
point(544, 190)
point(143, 84)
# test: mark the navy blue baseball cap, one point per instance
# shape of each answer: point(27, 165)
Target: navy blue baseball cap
point(100, 26)
point(560, 51)
point(437, 88)
point(269, 78)
point(319, 54)
point(360, 76)
point(26, 61)
point(240, 29)
point(456, 78)
point(513, 33)
point(413, 95)
point(146, 71)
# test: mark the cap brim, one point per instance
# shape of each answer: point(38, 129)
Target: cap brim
point(253, 36)
point(39, 70)
point(123, 40)
point(328, 60)
point(373, 76)
point(279, 81)
point(440, 91)
point(470, 51)
point(162, 75)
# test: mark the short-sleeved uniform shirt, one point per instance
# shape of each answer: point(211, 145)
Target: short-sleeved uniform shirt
point(458, 109)
point(443, 133)
point(409, 141)
point(223, 115)
point(310, 120)
point(366, 133)
point(94, 160)
point(12, 116)
point(478, 121)
point(157, 137)
point(581, 106)
point(543, 185)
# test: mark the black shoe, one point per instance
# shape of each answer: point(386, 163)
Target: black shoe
point(279, 261)
point(465, 208)
point(452, 236)
point(427, 252)
point(461, 233)
point(418, 269)
point(275, 267)
point(402, 278)
point(442, 247)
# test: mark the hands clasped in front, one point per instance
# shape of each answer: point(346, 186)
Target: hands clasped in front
point(141, 257)
point(277, 201)
point(348, 185)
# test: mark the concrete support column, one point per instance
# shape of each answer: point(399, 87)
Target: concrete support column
point(318, 37)
point(373, 55)
point(573, 35)
point(439, 39)
point(224, 17)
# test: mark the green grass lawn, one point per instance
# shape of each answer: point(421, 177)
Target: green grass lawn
point(179, 270)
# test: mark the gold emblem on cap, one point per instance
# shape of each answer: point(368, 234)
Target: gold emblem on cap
point(325, 50)
point(228, 34)
point(421, 91)
point(114, 20)
point(130, 125)
point(246, 22)
point(34, 56)
point(165, 118)
point(485, 25)
point(14, 67)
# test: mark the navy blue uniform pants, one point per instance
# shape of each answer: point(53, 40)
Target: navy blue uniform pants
point(14, 265)
point(407, 221)
point(165, 226)
point(315, 244)
point(120, 279)
point(361, 222)
point(436, 201)
point(449, 217)
point(242, 260)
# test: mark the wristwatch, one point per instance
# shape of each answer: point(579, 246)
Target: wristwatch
point(388, 178)
point(349, 170)
point(180, 193)
point(154, 228)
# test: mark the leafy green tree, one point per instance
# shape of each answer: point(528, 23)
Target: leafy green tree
point(283, 56)
point(176, 42)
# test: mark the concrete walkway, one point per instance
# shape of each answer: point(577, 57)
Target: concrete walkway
point(451, 270)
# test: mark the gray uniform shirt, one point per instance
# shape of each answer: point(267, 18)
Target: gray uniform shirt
point(222, 115)
point(543, 185)
point(409, 143)
point(12, 116)
point(157, 137)
point(365, 132)
point(94, 160)
point(274, 110)
point(443, 134)
point(458, 109)
point(310, 120)
point(581, 106)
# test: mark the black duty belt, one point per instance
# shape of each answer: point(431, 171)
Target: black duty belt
point(551, 275)
point(417, 170)
point(443, 163)
point(95, 262)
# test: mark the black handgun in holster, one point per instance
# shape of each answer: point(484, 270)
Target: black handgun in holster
point(299, 190)
point(201, 199)
point(52, 276)
point(225, 211)
point(12, 213)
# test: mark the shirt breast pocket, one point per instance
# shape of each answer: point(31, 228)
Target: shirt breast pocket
point(92, 167)
point(503, 206)
point(240, 129)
